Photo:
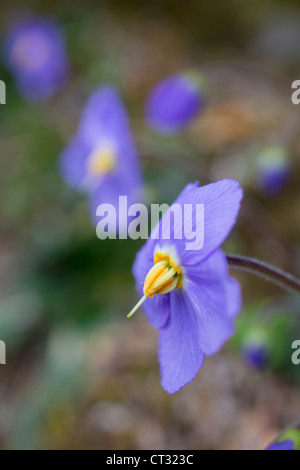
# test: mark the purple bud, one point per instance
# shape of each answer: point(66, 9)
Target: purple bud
point(284, 445)
point(256, 356)
point(273, 170)
point(35, 54)
point(174, 102)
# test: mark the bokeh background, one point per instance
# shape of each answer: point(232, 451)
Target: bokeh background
point(80, 375)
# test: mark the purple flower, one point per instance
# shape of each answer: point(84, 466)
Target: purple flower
point(273, 170)
point(35, 53)
point(256, 355)
point(174, 102)
point(289, 440)
point(255, 346)
point(101, 158)
point(194, 314)
point(284, 445)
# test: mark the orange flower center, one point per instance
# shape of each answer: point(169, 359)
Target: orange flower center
point(162, 278)
point(101, 161)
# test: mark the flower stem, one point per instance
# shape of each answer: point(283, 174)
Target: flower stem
point(268, 272)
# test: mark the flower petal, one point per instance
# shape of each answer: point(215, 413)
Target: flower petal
point(215, 298)
point(72, 162)
point(173, 103)
point(180, 353)
point(234, 297)
point(104, 117)
point(288, 444)
point(157, 309)
point(221, 202)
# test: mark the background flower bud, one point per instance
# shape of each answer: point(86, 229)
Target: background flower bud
point(174, 102)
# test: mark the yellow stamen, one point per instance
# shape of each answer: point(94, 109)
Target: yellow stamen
point(160, 256)
point(162, 282)
point(153, 278)
point(162, 278)
point(101, 161)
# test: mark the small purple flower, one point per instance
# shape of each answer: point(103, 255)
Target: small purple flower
point(256, 355)
point(273, 170)
point(35, 53)
point(255, 347)
point(101, 158)
point(289, 440)
point(174, 102)
point(199, 300)
point(284, 445)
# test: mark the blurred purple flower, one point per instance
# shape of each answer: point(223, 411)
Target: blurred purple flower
point(284, 445)
point(174, 102)
point(35, 53)
point(199, 299)
point(273, 170)
point(256, 355)
point(289, 440)
point(101, 158)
